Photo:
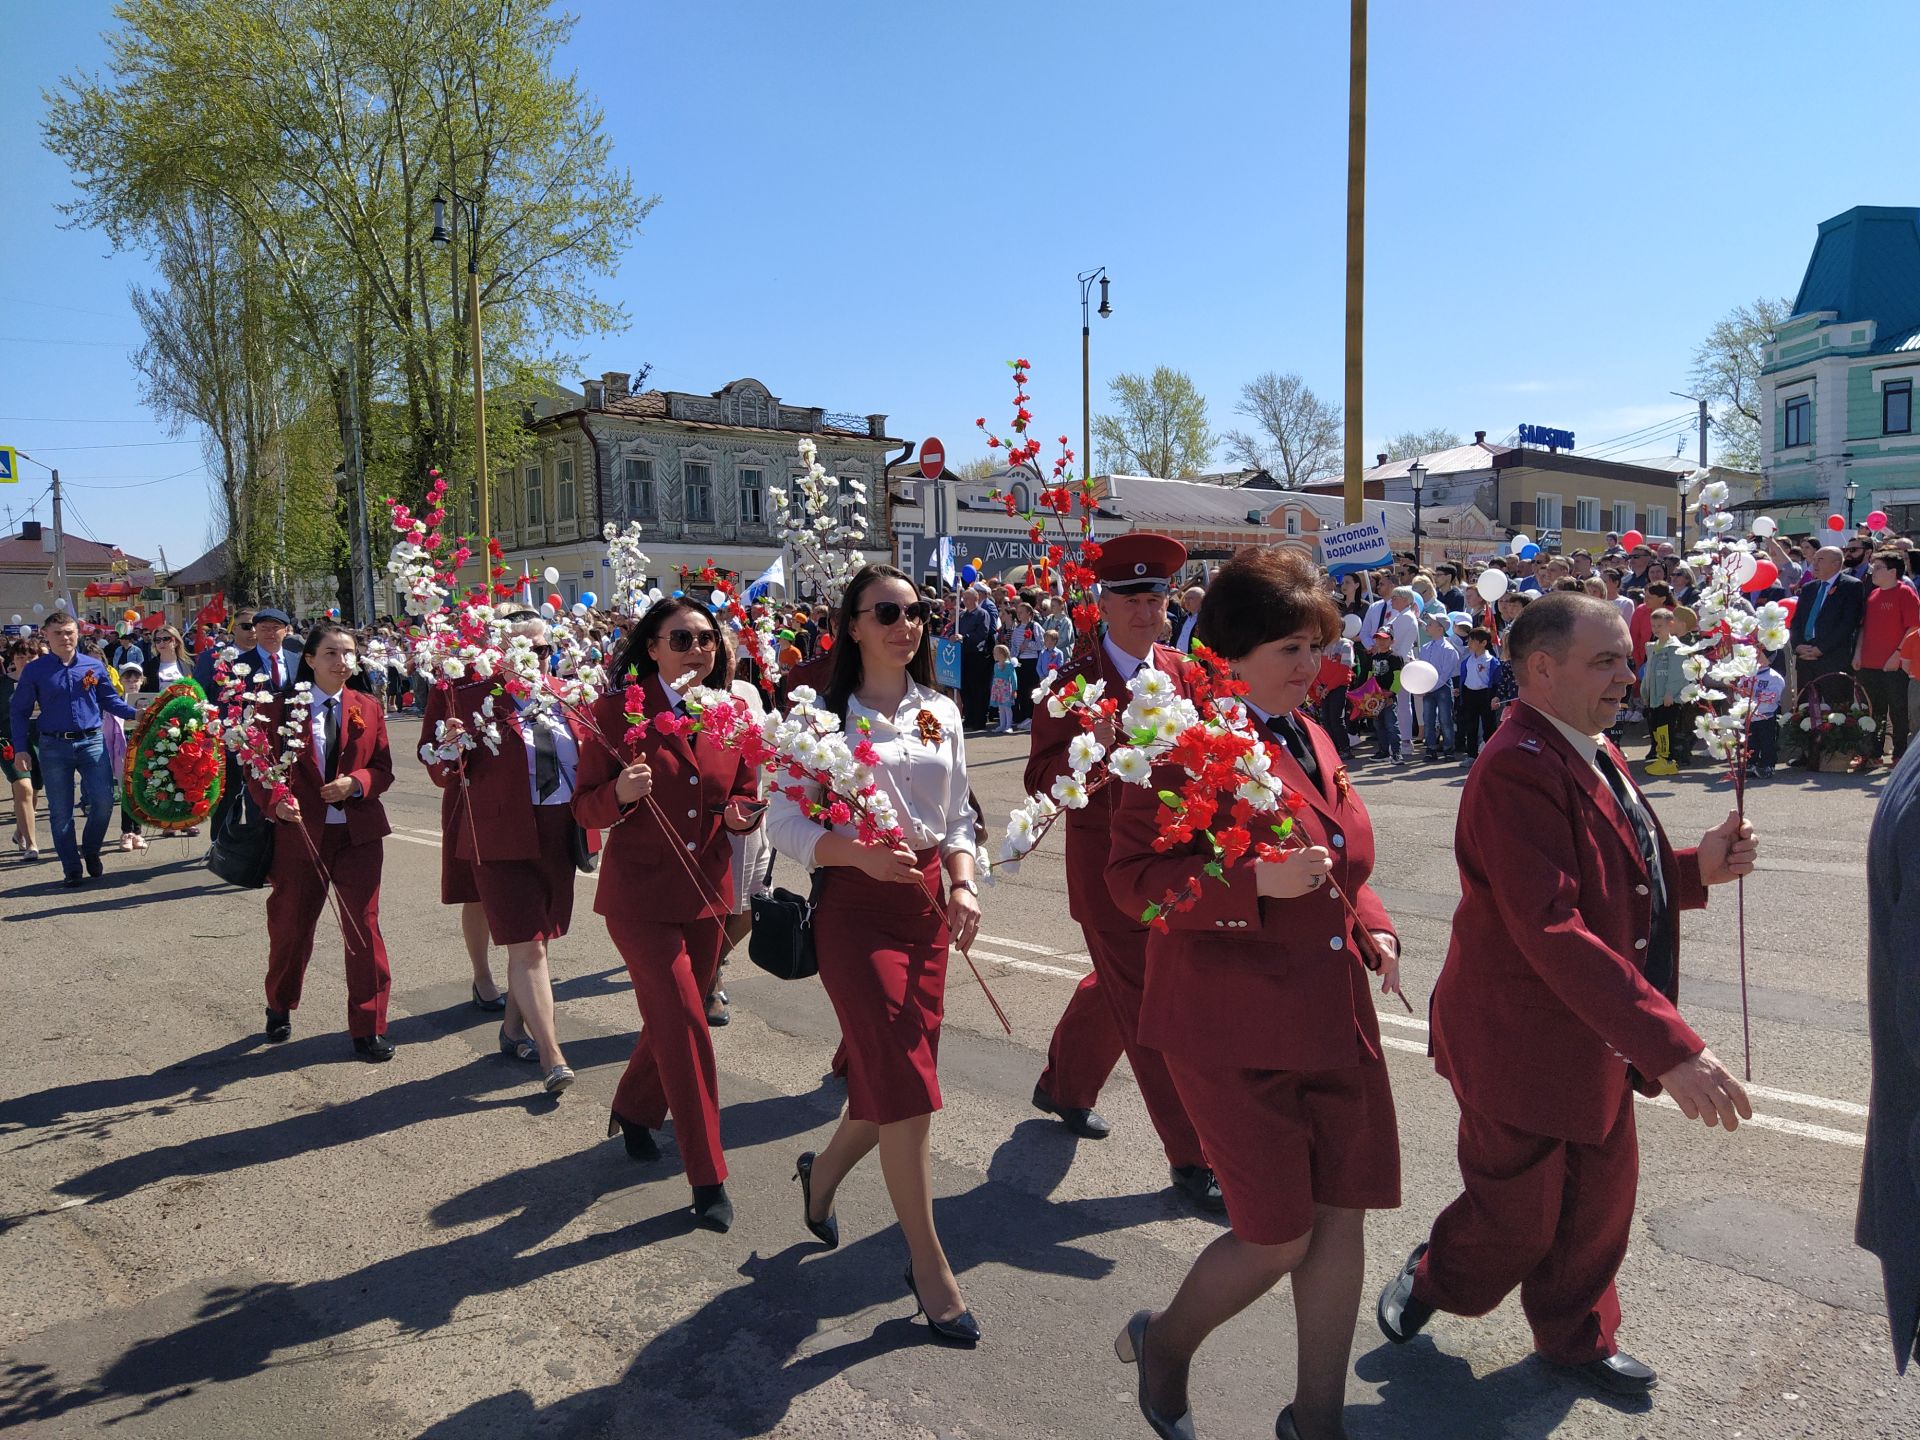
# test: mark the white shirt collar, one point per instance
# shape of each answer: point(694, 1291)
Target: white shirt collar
point(1588, 746)
point(1123, 662)
point(674, 697)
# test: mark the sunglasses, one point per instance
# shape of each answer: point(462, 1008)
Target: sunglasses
point(888, 612)
point(681, 641)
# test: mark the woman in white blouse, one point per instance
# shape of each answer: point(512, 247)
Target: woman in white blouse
point(881, 927)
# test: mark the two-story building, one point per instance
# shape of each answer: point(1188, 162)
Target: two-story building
point(696, 471)
point(27, 589)
point(1837, 379)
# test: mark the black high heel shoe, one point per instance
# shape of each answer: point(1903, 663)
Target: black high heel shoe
point(498, 1003)
point(826, 1231)
point(962, 1329)
point(712, 1208)
point(639, 1139)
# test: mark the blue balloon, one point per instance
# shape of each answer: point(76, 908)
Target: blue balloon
point(968, 574)
point(1532, 552)
point(589, 599)
point(679, 594)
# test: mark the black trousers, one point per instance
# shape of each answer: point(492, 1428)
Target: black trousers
point(1475, 721)
point(1023, 690)
point(976, 684)
point(1887, 694)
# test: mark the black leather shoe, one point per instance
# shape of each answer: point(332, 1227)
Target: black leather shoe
point(1401, 1316)
point(1617, 1374)
point(73, 882)
point(962, 1329)
point(95, 869)
point(639, 1140)
point(1130, 1348)
point(1088, 1124)
point(1284, 1427)
point(826, 1231)
point(373, 1048)
point(279, 1024)
point(498, 1003)
point(1199, 1185)
point(712, 1208)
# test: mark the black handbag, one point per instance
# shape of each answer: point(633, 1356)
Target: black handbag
point(586, 850)
point(242, 849)
point(781, 941)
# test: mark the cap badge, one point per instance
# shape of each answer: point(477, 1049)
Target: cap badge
point(1140, 568)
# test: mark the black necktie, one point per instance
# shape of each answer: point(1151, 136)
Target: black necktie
point(546, 761)
point(1286, 729)
point(1659, 963)
point(330, 732)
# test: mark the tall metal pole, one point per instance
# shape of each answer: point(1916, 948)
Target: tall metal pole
point(60, 553)
point(479, 390)
point(1086, 389)
point(1356, 250)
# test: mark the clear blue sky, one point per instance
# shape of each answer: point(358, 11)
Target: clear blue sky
point(870, 206)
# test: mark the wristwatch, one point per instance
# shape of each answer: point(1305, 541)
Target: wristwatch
point(967, 885)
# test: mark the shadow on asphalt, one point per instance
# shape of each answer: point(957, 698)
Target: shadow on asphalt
point(1428, 1393)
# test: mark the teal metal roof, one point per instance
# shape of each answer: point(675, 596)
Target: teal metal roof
point(1866, 266)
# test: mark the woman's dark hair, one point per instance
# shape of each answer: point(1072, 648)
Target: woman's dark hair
point(846, 675)
point(1263, 595)
point(304, 671)
point(634, 661)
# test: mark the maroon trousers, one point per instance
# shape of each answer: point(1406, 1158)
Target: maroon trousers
point(294, 904)
point(671, 1070)
point(1550, 1216)
point(1102, 1020)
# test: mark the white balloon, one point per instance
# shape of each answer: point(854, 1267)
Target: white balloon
point(656, 595)
point(1419, 677)
point(579, 608)
point(1744, 566)
point(546, 609)
point(1492, 584)
point(551, 575)
point(16, 620)
point(1350, 627)
point(38, 608)
point(1765, 526)
point(719, 598)
point(1520, 542)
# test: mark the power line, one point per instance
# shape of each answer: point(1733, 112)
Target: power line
point(1641, 442)
point(121, 445)
point(136, 483)
point(67, 420)
point(1634, 434)
point(45, 340)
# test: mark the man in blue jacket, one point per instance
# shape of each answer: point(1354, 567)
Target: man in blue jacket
point(71, 690)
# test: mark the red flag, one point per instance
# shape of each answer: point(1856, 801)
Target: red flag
point(213, 613)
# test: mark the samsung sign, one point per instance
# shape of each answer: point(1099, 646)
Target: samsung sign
point(1546, 439)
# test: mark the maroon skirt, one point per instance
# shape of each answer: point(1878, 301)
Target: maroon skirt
point(529, 900)
point(883, 959)
point(457, 885)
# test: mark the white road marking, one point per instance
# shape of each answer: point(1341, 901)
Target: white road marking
point(1034, 965)
point(1028, 946)
point(1762, 1092)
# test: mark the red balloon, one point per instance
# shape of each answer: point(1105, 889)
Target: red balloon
point(1632, 538)
point(1790, 604)
point(556, 602)
point(1765, 575)
point(1836, 522)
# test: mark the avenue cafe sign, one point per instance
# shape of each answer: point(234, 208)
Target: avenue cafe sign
point(1545, 438)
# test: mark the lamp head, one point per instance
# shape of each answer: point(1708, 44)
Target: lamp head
point(1106, 309)
point(1416, 476)
point(440, 235)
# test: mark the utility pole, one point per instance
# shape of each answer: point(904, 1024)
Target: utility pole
point(1701, 402)
point(60, 553)
point(1356, 250)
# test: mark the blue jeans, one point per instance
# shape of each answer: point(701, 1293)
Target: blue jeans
point(61, 762)
point(1386, 732)
point(1437, 718)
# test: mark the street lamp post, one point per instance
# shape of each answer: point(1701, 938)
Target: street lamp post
point(1417, 478)
point(1853, 489)
point(1086, 279)
point(469, 208)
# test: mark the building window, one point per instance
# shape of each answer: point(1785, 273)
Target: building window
point(1293, 522)
point(639, 489)
point(1021, 501)
point(1622, 516)
point(1546, 512)
point(1896, 408)
point(753, 497)
point(1586, 515)
point(563, 493)
point(1657, 521)
point(699, 493)
point(536, 498)
point(1799, 422)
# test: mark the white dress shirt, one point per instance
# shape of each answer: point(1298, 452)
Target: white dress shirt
point(563, 746)
point(926, 783)
point(1127, 665)
point(317, 725)
point(1587, 746)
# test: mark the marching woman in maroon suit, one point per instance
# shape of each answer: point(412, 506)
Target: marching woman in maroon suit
point(336, 781)
point(881, 928)
point(1557, 1002)
point(511, 827)
point(1103, 1016)
point(1260, 999)
point(666, 885)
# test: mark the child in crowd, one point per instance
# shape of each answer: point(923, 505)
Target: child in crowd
point(1436, 706)
point(1480, 677)
point(1052, 657)
point(1383, 668)
point(1006, 676)
point(1764, 727)
point(1662, 679)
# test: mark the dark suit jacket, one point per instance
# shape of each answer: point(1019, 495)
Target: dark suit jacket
point(1839, 621)
point(204, 662)
point(1890, 1176)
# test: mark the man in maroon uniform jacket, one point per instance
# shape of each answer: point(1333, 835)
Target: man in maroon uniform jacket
point(1103, 1017)
point(1557, 1002)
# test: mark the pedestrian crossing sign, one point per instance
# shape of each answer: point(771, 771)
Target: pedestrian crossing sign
point(9, 465)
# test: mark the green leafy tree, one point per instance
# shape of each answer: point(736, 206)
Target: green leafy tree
point(1158, 426)
point(1726, 374)
point(1297, 435)
point(1410, 443)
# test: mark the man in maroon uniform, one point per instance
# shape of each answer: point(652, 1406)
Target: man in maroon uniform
point(1557, 1002)
point(1103, 1017)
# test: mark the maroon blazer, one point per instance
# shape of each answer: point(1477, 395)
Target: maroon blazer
point(694, 780)
point(497, 787)
point(1543, 1001)
point(363, 755)
point(1247, 982)
point(1090, 831)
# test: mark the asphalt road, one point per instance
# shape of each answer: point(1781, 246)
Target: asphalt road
point(202, 1235)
